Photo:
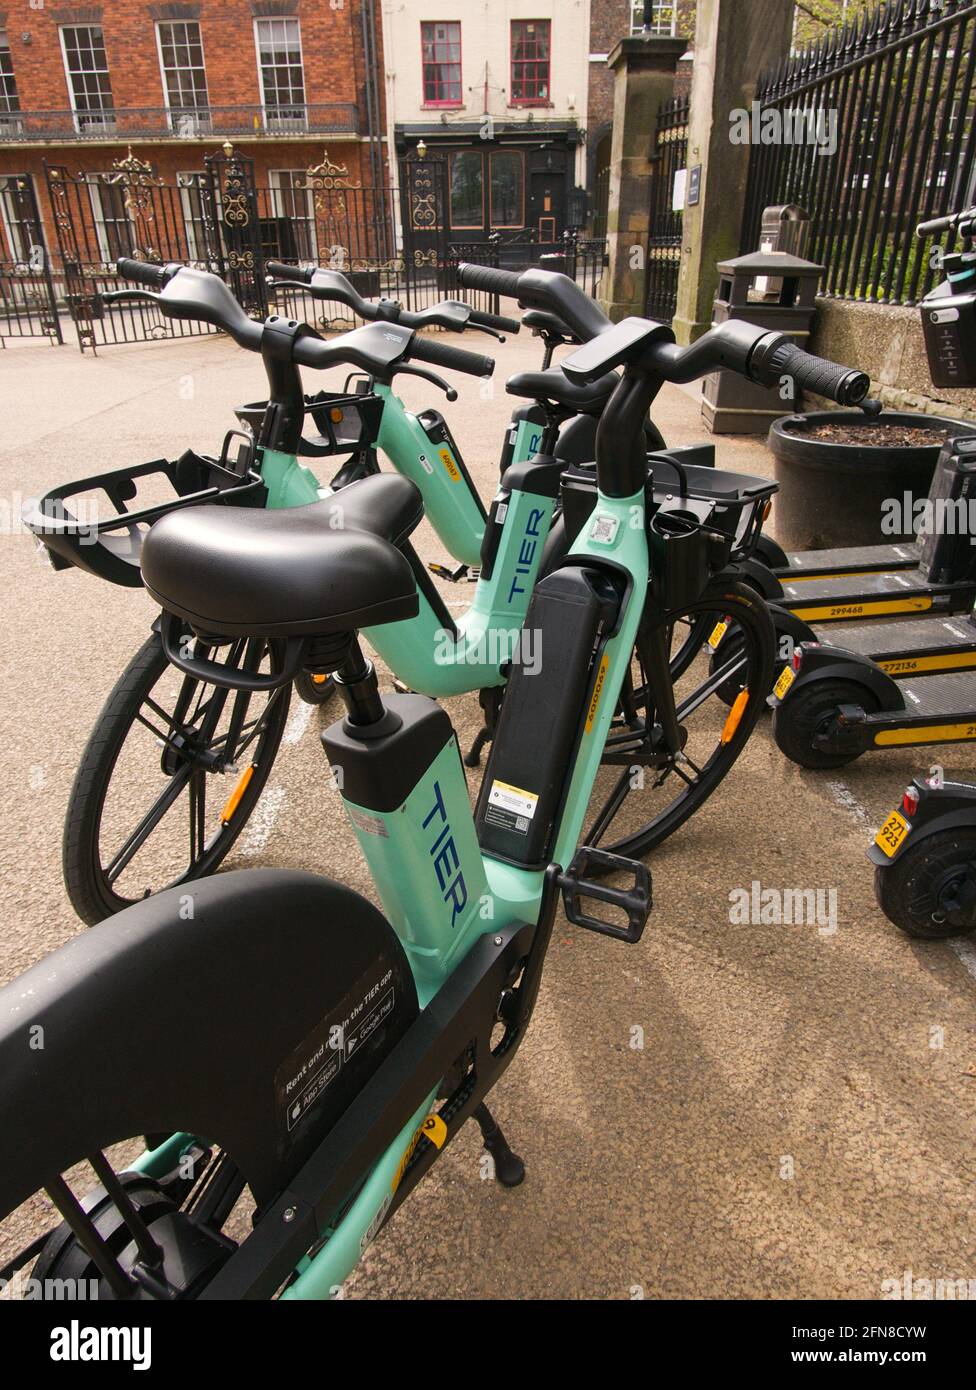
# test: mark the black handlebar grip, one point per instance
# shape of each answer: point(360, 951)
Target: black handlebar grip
point(498, 321)
point(486, 277)
point(451, 358)
point(280, 271)
point(935, 226)
point(841, 384)
point(154, 277)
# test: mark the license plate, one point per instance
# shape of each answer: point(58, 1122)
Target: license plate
point(786, 679)
point(717, 633)
point(891, 834)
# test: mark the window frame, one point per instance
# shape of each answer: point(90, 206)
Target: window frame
point(507, 226)
point(426, 103)
point(79, 112)
point(176, 111)
point(14, 227)
point(9, 97)
point(280, 193)
point(514, 100)
point(280, 106)
point(637, 22)
point(464, 226)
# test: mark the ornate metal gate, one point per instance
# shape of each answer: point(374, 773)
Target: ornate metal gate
point(207, 219)
point(664, 238)
point(232, 229)
point(28, 305)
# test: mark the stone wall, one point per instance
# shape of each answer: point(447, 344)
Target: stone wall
point(886, 341)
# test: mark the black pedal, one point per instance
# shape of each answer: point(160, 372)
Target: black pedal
point(636, 902)
point(455, 575)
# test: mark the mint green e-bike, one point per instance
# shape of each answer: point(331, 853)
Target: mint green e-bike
point(288, 1037)
point(141, 815)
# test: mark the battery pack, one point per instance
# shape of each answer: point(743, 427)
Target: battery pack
point(571, 614)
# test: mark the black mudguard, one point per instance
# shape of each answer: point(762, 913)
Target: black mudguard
point(752, 571)
point(771, 553)
point(826, 663)
point(787, 624)
point(949, 807)
point(220, 1023)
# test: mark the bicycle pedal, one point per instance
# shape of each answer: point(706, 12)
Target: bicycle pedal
point(636, 901)
point(445, 572)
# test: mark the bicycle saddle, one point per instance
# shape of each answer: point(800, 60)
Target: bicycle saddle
point(548, 323)
point(554, 385)
point(324, 568)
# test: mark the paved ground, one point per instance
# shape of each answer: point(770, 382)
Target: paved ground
point(799, 1121)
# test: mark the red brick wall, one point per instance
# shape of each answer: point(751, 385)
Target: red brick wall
point(331, 47)
point(332, 58)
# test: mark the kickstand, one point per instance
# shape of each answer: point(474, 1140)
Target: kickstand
point(509, 1168)
point(473, 756)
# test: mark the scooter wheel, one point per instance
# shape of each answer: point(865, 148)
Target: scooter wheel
point(930, 890)
point(807, 713)
point(314, 690)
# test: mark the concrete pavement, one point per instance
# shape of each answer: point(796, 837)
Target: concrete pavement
point(752, 1111)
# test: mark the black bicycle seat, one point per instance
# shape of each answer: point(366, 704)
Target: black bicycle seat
point(542, 322)
point(325, 568)
point(553, 385)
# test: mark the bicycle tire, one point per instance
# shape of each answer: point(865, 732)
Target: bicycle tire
point(742, 605)
point(86, 882)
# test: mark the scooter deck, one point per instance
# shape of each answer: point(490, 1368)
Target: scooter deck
point(911, 647)
point(872, 595)
point(939, 709)
point(849, 560)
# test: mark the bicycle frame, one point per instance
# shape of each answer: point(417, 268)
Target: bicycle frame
point(424, 653)
point(438, 925)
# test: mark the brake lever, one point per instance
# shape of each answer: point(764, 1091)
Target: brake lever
point(287, 285)
point(432, 377)
point(483, 328)
point(118, 296)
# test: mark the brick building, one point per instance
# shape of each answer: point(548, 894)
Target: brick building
point(155, 87)
point(610, 21)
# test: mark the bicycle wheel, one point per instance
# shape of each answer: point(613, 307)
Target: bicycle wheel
point(140, 817)
point(644, 793)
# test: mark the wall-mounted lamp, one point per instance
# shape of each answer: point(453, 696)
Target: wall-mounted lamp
point(421, 149)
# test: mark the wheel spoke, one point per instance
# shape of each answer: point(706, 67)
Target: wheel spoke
point(148, 823)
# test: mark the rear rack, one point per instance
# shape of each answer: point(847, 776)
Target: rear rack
point(110, 548)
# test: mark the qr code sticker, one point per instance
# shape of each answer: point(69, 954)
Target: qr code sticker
point(604, 529)
point(521, 824)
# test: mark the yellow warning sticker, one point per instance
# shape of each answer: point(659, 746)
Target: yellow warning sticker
point(453, 472)
point(601, 676)
point(434, 1129)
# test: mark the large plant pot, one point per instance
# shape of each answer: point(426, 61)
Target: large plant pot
point(834, 494)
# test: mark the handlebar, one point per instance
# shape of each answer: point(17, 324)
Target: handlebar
point(497, 321)
point(154, 277)
point(280, 271)
point(937, 225)
point(332, 284)
point(772, 361)
point(542, 289)
point(451, 358)
point(376, 348)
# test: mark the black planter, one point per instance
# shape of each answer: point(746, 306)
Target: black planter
point(834, 494)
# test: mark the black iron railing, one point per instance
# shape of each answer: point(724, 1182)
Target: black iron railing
point(871, 130)
point(664, 235)
point(190, 123)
